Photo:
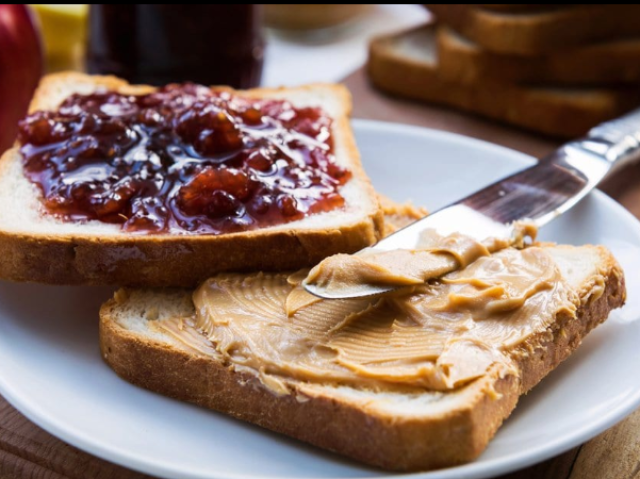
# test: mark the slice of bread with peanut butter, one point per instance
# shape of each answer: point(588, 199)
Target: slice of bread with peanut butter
point(413, 381)
point(273, 181)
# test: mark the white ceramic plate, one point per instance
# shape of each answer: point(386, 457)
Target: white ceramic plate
point(52, 372)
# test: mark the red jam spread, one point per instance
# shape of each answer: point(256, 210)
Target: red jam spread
point(183, 159)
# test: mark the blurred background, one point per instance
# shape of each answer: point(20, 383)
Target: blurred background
point(552, 70)
point(304, 43)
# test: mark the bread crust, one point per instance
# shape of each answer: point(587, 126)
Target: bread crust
point(611, 63)
point(178, 260)
point(539, 109)
point(542, 31)
point(170, 261)
point(515, 7)
point(405, 443)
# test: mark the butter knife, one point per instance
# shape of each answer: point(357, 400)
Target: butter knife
point(538, 194)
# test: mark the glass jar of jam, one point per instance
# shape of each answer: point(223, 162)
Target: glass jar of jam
point(165, 43)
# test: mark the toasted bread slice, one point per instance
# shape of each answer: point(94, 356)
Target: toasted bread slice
point(38, 247)
point(608, 63)
point(407, 64)
point(393, 430)
point(541, 31)
point(515, 7)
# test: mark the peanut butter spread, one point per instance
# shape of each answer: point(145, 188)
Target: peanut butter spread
point(433, 257)
point(437, 335)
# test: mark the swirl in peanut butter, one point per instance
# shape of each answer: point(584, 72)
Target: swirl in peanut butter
point(439, 336)
point(433, 257)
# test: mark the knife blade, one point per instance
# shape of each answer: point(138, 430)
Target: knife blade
point(537, 194)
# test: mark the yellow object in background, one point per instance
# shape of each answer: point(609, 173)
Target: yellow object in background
point(63, 32)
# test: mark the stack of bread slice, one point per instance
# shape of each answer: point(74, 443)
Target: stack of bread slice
point(556, 70)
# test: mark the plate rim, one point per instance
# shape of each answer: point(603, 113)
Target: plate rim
point(472, 470)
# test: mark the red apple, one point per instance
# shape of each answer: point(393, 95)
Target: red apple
point(20, 67)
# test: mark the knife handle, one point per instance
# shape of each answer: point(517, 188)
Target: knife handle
point(617, 141)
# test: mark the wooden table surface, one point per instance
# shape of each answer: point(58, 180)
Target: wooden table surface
point(26, 451)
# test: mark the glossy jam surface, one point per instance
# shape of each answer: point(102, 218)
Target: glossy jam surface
point(183, 159)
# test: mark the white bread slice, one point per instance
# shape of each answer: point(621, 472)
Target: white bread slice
point(40, 248)
point(392, 430)
point(542, 30)
point(407, 64)
point(613, 62)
